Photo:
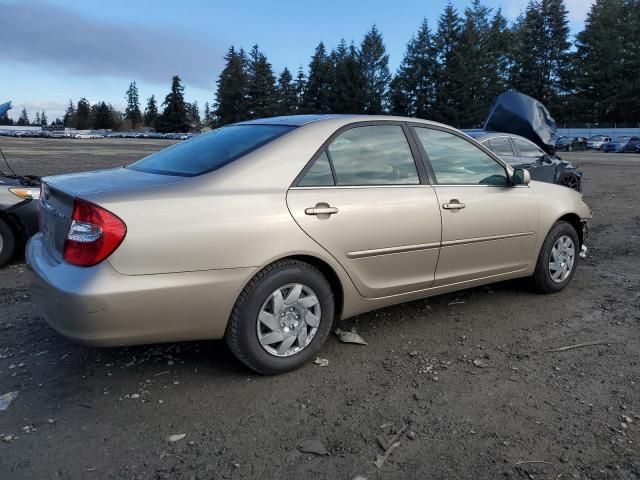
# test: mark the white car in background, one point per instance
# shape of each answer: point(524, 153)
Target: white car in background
point(83, 136)
point(596, 142)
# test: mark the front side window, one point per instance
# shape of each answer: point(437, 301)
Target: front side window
point(455, 161)
point(210, 151)
point(373, 155)
point(527, 149)
point(499, 145)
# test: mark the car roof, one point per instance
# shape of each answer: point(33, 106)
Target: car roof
point(300, 120)
point(481, 135)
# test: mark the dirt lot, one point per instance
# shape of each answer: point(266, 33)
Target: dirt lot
point(519, 412)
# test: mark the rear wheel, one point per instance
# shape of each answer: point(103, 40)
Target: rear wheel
point(7, 243)
point(557, 260)
point(281, 318)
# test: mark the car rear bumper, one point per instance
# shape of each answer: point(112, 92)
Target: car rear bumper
point(98, 306)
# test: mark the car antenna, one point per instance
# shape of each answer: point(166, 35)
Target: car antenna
point(7, 163)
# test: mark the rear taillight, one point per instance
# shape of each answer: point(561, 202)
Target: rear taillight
point(94, 234)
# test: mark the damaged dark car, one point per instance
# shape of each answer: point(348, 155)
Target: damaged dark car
point(18, 212)
point(520, 130)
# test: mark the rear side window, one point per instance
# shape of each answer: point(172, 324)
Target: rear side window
point(499, 146)
point(210, 151)
point(373, 155)
point(528, 149)
point(319, 175)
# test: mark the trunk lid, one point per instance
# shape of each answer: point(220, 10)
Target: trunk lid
point(58, 193)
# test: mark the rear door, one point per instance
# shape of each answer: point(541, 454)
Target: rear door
point(366, 200)
point(488, 226)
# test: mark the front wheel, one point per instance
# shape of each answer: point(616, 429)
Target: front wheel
point(557, 260)
point(281, 318)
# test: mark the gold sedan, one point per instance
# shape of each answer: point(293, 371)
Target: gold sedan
point(266, 232)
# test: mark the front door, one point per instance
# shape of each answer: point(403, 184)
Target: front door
point(364, 199)
point(489, 227)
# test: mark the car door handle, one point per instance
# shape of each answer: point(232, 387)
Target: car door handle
point(318, 210)
point(453, 205)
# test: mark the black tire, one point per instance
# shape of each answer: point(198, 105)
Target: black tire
point(7, 243)
point(569, 180)
point(541, 279)
point(241, 335)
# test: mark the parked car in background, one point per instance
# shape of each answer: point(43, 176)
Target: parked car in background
point(596, 142)
point(622, 144)
point(522, 153)
point(569, 144)
point(283, 225)
point(87, 136)
point(638, 148)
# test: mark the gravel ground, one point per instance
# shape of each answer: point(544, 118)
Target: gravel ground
point(464, 382)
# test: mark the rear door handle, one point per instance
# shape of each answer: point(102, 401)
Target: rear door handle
point(453, 205)
point(320, 210)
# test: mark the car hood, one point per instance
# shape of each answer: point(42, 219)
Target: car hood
point(519, 114)
point(111, 180)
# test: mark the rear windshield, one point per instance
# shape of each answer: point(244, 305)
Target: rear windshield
point(210, 151)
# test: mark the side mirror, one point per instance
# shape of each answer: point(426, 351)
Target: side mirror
point(521, 176)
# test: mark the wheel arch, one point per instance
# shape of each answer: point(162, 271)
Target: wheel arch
point(575, 221)
point(330, 274)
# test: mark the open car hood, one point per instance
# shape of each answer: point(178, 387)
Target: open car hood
point(519, 114)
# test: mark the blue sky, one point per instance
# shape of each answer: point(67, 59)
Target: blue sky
point(53, 51)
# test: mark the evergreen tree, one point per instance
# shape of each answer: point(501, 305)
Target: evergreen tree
point(69, 118)
point(316, 97)
point(499, 44)
point(606, 64)
point(23, 120)
point(475, 67)
point(541, 50)
point(132, 112)
point(261, 87)
point(151, 112)
point(5, 119)
point(43, 119)
point(287, 95)
point(36, 120)
point(194, 113)
point(102, 116)
point(300, 87)
point(414, 86)
point(231, 96)
point(347, 81)
point(175, 116)
point(83, 114)
point(449, 83)
point(208, 118)
point(375, 69)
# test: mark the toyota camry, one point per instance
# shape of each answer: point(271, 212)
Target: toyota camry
point(266, 232)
